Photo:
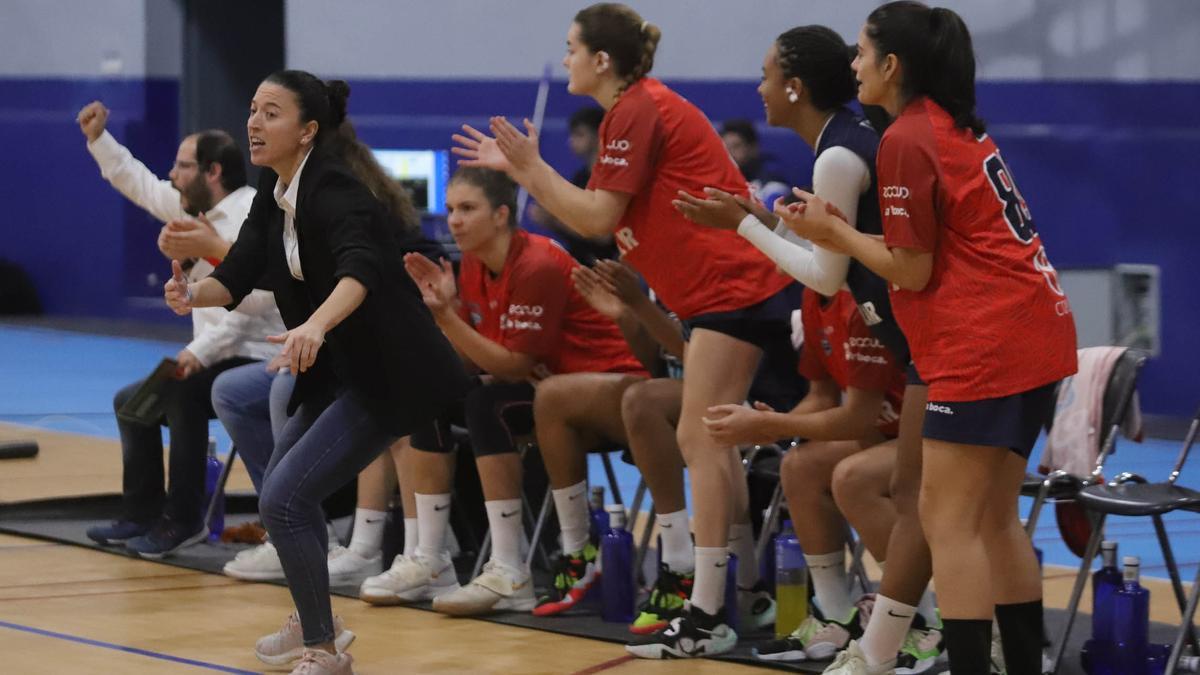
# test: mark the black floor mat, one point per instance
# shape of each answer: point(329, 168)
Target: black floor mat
point(66, 521)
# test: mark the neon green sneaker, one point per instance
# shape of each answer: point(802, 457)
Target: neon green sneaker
point(666, 600)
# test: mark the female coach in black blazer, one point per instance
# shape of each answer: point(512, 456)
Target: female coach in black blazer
point(371, 363)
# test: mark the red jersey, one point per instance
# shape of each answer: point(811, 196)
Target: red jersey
point(653, 143)
point(839, 346)
point(993, 320)
point(532, 308)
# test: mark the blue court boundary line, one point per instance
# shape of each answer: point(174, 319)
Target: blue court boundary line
point(122, 648)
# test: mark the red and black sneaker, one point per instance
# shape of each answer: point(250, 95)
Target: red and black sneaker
point(574, 575)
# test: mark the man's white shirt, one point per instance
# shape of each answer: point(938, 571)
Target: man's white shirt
point(217, 334)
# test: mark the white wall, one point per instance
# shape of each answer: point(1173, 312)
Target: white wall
point(726, 39)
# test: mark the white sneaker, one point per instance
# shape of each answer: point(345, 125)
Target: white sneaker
point(318, 662)
point(851, 661)
point(498, 588)
point(345, 563)
point(260, 563)
point(412, 578)
point(287, 644)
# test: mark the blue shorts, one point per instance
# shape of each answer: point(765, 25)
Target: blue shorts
point(1012, 422)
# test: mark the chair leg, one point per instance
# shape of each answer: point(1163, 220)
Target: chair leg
point(612, 480)
point(1085, 567)
point(219, 490)
point(543, 514)
point(770, 521)
point(1173, 571)
point(1036, 510)
point(857, 568)
point(485, 551)
point(1189, 614)
point(638, 496)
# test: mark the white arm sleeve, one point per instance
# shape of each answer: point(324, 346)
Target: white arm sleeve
point(839, 177)
point(132, 179)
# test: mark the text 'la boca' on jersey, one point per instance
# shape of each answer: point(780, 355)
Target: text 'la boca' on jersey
point(653, 143)
point(993, 320)
point(533, 308)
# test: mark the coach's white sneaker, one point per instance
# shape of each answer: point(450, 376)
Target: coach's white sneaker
point(346, 563)
point(411, 578)
point(260, 563)
point(318, 662)
point(498, 588)
point(287, 644)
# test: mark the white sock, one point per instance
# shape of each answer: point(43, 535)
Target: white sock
point(433, 516)
point(410, 536)
point(368, 532)
point(572, 507)
point(828, 572)
point(927, 608)
point(708, 591)
point(504, 519)
point(676, 541)
point(741, 544)
point(889, 624)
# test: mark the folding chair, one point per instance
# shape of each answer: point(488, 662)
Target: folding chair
point(858, 570)
point(1118, 398)
point(547, 508)
point(1131, 495)
point(485, 548)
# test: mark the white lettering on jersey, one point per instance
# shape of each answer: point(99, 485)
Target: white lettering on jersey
point(897, 211)
point(894, 192)
point(625, 240)
point(525, 310)
point(615, 161)
point(618, 145)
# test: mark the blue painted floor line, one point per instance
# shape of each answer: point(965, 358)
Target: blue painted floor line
point(122, 648)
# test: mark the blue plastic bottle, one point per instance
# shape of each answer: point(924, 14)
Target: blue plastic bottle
point(791, 582)
point(618, 593)
point(212, 474)
point(1131, 622)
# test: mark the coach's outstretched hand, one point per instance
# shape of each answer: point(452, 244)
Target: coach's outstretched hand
point(175, 291)
point(436, 283)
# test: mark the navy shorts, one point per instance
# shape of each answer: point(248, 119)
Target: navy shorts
point(760, 324)
point(1012, 422)
point(912, 377)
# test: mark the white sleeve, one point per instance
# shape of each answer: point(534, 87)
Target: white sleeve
point(819, 269)
point(218, 341)
point(132, 179)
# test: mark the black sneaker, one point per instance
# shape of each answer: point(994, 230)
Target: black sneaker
point(117, 532)
point(671, 591)
point(166, 537)
point(694, 633)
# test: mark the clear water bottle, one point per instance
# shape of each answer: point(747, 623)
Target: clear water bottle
point(597, 513)
point(618, 593)
point(791, 582)
point(1131, 622)
point(212, 475)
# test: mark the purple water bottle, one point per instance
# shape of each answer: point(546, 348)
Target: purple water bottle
point(1131, 622)
point(618, 593)
point(212, 475)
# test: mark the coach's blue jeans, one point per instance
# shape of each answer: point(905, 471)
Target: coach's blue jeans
point(316, 452)
point(252, 405)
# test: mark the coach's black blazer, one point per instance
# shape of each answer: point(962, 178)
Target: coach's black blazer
point(388, 351)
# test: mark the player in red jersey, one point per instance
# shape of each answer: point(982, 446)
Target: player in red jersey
point(839, 354)
point(516, 316)
point(653, 144)
point(989, 325)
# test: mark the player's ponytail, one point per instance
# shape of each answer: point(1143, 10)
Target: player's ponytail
point(620, 32)
point(936, 54)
